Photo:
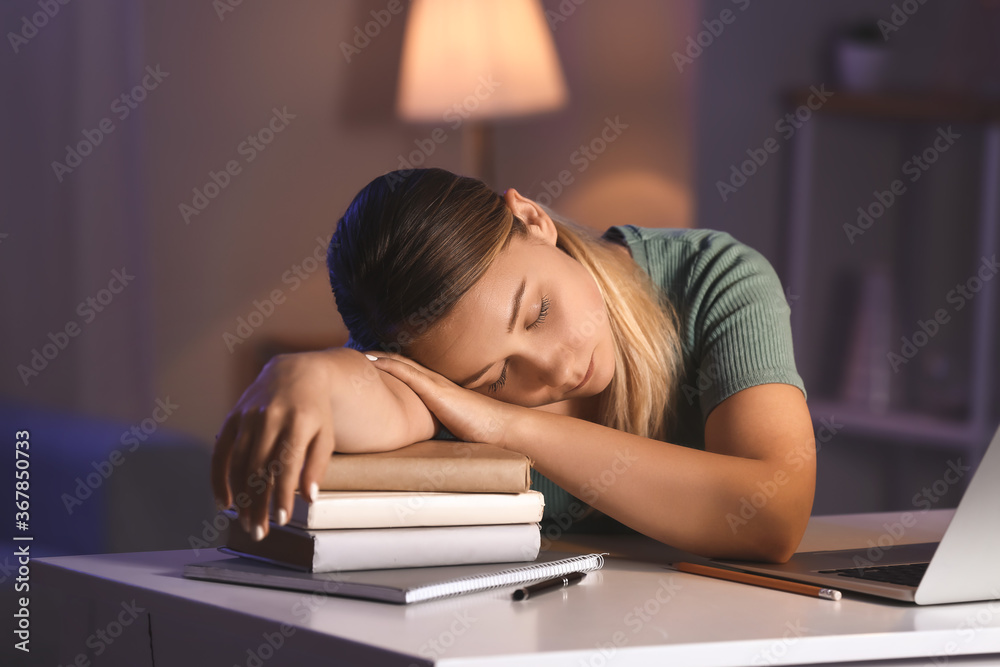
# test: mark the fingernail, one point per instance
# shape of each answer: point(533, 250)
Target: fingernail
point(258, 533)
point(371, 358)
point(313, 490)
point(282, 517)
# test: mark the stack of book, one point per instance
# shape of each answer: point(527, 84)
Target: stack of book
point(430, 504)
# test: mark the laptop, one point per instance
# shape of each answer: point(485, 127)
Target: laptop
point(963, 567)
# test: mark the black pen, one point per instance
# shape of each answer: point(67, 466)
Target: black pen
point(548, 585)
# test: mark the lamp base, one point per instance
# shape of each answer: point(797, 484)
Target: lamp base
point(477, 151)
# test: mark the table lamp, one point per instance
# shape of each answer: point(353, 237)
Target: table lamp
point(470, 62)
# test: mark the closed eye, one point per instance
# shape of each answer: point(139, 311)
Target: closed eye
point(542, 313)
point(498, 385)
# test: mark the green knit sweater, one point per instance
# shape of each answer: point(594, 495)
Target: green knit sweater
point(734, 330)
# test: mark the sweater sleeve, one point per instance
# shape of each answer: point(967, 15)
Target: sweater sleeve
point(734, 319)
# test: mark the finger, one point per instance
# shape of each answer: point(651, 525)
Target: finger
point(393, 357)
point(221, 457)
point(238, 471)
point(417, 378)
point(260, 472)
point(316, 460)
point(290, 455)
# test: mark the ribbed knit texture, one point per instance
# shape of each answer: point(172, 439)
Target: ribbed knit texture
point(734, 327)
point(734, 330)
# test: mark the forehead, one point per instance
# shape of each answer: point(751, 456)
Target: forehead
point(461, 342)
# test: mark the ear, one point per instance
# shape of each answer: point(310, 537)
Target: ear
point(540, 225)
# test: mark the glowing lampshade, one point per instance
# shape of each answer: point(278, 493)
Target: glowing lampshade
point(491, 58)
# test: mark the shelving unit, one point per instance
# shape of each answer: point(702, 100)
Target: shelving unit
point(813, 251)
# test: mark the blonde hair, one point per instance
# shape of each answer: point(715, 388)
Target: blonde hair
point(413, 242)
point(644, 326)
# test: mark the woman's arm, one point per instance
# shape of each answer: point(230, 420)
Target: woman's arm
point(301, 408)
point(749, 495)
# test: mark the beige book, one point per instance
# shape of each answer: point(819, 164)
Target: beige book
point(431, 466)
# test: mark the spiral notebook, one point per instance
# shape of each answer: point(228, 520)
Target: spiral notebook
point(402, 586)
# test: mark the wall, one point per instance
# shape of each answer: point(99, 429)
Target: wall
point(743, 75)
point(170, 333)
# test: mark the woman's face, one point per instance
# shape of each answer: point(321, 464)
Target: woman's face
point(532, 331)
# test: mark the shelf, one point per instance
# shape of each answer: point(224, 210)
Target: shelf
point(908, 425)
point(901, 427)
point(911, 106)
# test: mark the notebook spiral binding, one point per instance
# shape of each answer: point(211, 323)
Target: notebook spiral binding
point(485, 582)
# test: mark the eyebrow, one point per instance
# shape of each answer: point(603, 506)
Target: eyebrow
point(515, 310)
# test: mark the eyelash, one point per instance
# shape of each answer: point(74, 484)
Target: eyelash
point(542, 314)
point(498, 385)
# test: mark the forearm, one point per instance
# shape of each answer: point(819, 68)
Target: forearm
point(691, 499)
point(371, 411)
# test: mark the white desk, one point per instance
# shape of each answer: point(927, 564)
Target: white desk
point(633, 612)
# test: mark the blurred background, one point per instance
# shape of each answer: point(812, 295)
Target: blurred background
point(173, 171)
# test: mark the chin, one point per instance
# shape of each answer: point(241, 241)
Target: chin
point(601, 380)
point(605, 372)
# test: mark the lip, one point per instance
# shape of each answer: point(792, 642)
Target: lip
point(590, 371)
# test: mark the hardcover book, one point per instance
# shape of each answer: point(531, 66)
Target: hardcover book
point(432, 465)
point(387, 548)
point(407, 509)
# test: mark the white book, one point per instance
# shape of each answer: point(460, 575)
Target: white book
point(387, 548)
point(407, 509)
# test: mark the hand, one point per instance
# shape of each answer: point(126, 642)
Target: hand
point(278, 438)
point(468, 415)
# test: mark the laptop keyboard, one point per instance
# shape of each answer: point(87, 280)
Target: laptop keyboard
point(908, 574)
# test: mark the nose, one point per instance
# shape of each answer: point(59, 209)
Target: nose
point(552, 366)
